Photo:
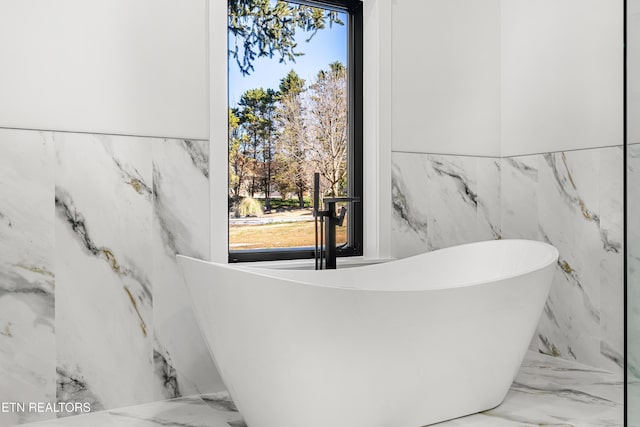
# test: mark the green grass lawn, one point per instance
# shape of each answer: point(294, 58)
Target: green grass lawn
point(277, 235)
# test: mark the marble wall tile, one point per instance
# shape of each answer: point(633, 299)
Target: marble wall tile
point(568, 219)
point(104, 325)
point(452, 194)
point(27, 332)
point(611, 199)
point(519, 197)
point(441, 201)
point(410, 204)
point(183, 365)
point(105, 216)
point(572, 200)
point(633, 259)
point(489, 215)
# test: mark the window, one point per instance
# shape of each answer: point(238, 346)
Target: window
point(295, 98)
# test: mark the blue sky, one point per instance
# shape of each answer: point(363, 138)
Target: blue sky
point(325, 47)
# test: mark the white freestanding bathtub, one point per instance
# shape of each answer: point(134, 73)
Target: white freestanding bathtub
point(402, 344)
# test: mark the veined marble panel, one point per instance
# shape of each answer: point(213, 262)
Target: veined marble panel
point(106, 214)
point(572, 200)
point(519, 197)
point(183, 365)
point(452, 194)
point(441, 201)
point(103, 217)
point(633, 260)
point(410, 211)
point(580, 198)
point(489, 216)
point(568, 219)
point(611, 199)
point(27, 333)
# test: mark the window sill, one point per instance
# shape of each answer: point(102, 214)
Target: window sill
point(309, 264)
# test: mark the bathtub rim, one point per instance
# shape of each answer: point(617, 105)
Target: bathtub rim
point(271, 273)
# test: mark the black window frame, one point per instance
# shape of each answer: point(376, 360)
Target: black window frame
point(355, 173)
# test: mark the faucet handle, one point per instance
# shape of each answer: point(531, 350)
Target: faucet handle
point(341, 199)
point(343, 211)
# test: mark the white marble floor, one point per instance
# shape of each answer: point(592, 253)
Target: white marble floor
point(547, 391)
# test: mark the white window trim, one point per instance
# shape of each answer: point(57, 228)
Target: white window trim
point(377, 129)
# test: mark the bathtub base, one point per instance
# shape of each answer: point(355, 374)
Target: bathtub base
point(388, 345)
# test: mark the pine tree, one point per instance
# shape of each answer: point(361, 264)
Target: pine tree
point(256, 112)
point(260, 28)
point(238, 160)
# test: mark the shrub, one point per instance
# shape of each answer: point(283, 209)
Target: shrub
point(249, 207)
point(284, 204)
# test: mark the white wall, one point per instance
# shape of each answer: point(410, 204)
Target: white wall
point(377, 125)
point(446, 76)
point(561, 75)
point(633, 68)
point(218, 136)
point(507, 77)
point(136, 67)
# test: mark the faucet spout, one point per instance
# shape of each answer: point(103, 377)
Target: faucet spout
point(327, 252)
